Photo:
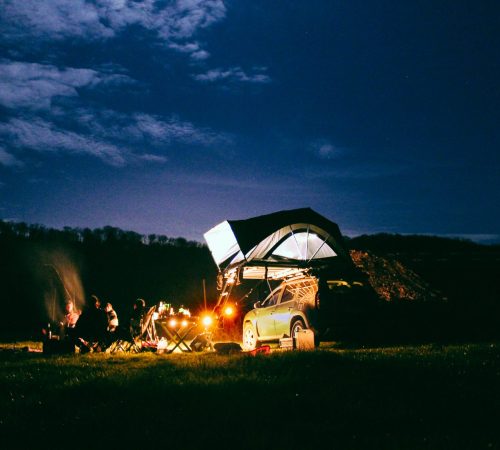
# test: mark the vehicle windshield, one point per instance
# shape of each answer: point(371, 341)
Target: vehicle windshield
point(272, 299)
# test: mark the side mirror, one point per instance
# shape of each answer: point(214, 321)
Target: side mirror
point(256, 305)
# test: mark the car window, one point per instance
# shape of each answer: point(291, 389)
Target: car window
point(288, 294)
point(272, 299)
point(306, 290)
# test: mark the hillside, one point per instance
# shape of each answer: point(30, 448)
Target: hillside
point(391, 280)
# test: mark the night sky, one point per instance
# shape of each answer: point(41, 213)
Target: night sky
point(169, 117)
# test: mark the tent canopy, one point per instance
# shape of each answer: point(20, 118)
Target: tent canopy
point(285, 239)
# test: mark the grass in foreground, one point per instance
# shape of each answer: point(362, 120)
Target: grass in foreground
point(428, 396)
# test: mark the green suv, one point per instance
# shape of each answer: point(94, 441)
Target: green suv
point(299, 303)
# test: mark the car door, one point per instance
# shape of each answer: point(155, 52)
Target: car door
point(265, 315)
point(283, 311)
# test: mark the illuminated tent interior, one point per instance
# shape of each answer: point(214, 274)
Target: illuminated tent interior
point(277, 244)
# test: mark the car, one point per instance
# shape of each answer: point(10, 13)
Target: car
point(304, 302)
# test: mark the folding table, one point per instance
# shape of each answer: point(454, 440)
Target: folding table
point(178, 334)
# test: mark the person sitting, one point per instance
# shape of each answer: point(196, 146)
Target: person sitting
point(92, 325)
point(71, 316)
point(112, 317)
point(139, 309)
point(111, 334)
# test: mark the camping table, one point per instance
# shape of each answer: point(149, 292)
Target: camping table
point(178, 335)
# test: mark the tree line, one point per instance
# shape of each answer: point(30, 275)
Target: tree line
point(41, 268)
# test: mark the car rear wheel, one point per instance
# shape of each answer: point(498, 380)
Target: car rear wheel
point(250, 341)
point(297, 325)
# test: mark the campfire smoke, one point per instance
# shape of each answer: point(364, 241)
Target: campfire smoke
point(63, 284)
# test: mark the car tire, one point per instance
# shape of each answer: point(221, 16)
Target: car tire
point(250, 341)
point(297, 324)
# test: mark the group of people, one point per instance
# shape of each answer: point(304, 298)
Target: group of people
point(98, 326)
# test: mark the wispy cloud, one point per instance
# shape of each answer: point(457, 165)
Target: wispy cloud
point(44, 136)
point(234, 74)
point(171, 21)
point(153, 158)
point(193, 49)
point(115, 138)
point(47, 111)
point(8, 160)
point(324, 149)
point(142, 128)
point(32, 85)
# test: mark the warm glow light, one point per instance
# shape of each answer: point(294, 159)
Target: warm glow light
point(207, 321)
point(184, 323)
point(172, 323)
point(229, 311)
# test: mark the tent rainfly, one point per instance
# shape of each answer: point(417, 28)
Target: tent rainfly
point(274, 243)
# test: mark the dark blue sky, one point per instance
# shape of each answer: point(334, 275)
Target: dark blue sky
point(169, 117)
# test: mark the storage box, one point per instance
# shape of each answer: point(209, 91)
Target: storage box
point(287, 343)
point(304, 340)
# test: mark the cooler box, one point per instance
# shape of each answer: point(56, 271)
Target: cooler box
point(287, 343)
point(304, 340)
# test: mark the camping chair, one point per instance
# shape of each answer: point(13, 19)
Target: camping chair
point(148, 329)
point(124, 342)
point(132, 343)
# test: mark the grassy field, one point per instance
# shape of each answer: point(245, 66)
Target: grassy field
point(412, 397)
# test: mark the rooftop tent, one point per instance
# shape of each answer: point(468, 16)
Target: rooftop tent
point(277, 241)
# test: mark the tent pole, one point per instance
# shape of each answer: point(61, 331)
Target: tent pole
point(204, 295)
point(319, 248)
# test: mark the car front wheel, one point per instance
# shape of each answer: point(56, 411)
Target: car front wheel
point(250, 341)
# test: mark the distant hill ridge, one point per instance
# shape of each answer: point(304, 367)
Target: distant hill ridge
point(383, 243)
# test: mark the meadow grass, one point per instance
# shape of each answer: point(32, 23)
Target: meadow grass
point(405, 397)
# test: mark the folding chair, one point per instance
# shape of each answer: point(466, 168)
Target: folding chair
point(148, 329)
point(130, 343)
point(124, 342)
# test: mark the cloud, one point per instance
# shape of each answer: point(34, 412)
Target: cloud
point(234, 74)
point(153, 158)
point(146, 129)
point(8, 160)
point(200, 55)
point(193, 49)
point(104, 19)
point(166, 131)
point(32, 85)
point(43, 136)
point(110, 136)
point(324, 149)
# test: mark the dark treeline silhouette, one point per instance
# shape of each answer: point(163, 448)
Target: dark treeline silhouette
point(41, 268)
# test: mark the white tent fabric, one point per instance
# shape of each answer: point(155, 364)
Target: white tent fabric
point(304, 246)
point(281, 239)
point(222, 242)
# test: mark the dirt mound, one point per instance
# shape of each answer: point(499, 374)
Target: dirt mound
point(391, 280)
